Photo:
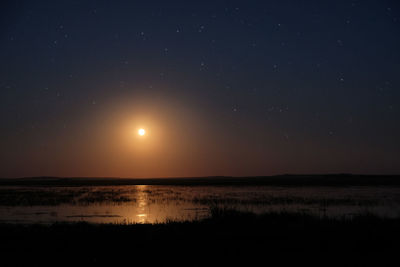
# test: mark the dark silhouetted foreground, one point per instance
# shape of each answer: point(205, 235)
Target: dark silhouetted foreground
point(227, 237)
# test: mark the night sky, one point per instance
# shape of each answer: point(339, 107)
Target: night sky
point(221, 87)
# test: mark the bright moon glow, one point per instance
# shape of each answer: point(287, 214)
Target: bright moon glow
point(141, 132)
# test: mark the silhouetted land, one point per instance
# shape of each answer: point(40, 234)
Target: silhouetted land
point(279, 180)
point(227, 237)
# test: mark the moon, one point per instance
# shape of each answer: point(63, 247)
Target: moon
point(141, 132)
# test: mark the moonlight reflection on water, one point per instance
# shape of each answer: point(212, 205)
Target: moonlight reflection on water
point(155, 204)
point(142, 199)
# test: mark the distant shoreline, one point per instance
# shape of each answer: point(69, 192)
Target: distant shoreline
point(278, 180)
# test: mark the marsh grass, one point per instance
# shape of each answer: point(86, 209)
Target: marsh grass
point(29, 197)
point(286, 200)
point(231, 231)
point(82, 196)
point(227, 237)
point(58, 196)
point(184, 203)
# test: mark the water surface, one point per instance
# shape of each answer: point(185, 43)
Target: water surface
point(161, 203)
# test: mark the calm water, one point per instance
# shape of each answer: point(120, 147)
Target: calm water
point(151, 204)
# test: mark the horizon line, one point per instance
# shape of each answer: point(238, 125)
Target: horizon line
point(197, 177)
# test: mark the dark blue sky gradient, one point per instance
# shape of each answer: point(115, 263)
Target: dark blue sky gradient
point(238, 87)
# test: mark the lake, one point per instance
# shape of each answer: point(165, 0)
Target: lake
point(162, 203)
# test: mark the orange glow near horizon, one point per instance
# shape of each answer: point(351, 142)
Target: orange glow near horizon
point(141, 138)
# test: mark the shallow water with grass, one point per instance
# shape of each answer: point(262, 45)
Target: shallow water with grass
point(164, 203)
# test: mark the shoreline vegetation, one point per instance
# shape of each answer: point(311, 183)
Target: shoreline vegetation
point(47, 196)
point(227, 236)
point(277, 180)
